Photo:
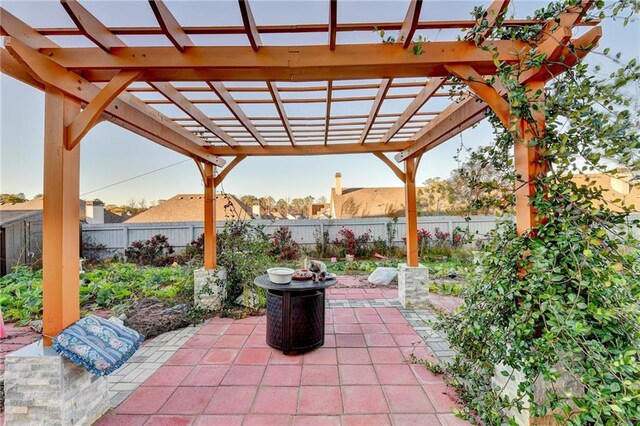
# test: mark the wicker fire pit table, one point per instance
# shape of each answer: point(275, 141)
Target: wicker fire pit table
point(295, 313)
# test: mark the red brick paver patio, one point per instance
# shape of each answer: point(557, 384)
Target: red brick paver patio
point(227, 375)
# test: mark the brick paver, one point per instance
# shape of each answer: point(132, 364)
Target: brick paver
point(224, 375)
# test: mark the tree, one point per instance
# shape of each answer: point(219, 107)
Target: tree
point(249, 200)
point(12, 198)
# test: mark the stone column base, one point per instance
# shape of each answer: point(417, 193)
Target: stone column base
point(210, 288)
point(508, 386)
point(42, 387)
point(413, 286)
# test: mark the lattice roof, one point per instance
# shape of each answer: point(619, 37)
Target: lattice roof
point(209, 100)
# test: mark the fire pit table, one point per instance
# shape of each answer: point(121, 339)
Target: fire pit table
point(295, 313)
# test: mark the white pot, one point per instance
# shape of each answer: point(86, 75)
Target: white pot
point(280, 275)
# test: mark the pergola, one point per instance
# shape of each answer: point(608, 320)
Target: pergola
point(122, 84)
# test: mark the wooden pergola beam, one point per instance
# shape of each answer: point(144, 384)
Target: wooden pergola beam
point(327, 115)
point(410, 23)
point(282, 113)
point(210, 249)
point(394, 168)
point(375, 108)
point(220, 177)
point(333, 23)
point(191, 110)
point(125, 108)
point(302, 28)
point(484, 90)
point(496, 9)
point(458, 117)
point(284, 63)
point(418, 102)
point(250, 26)
point(170, 26)
point(308, 149)
point(91, 27)
point(236, 110)
point(92, 113)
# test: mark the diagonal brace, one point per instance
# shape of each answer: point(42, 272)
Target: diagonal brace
point(484, 90)
point(90, 115)
point(395, 169)
point(218, 179)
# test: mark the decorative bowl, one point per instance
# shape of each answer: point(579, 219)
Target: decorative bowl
point(280, 275)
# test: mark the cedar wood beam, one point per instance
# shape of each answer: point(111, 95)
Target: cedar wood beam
point(410, 23)
point(308, 149)
point(191, 110)
point(327, 116)
point(218, 179)
point(250, 25)
point(333, 23)
point(395, 169)
point(236, 110)
point(495, 10)
point(284, 63)
point(375, 108)
point(277, 101)
point(418, 102)
point(170, 26)
point(91, 114)
point(124, 108)
point(459, 116)
point(91, 27)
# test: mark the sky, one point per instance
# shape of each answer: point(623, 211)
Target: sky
point(110, 154)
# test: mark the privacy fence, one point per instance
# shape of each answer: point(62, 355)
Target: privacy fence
point(115, 238)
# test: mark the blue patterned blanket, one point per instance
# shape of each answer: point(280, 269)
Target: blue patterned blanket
point(99, 345)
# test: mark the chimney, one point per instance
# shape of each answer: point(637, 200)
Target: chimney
point(94, 211)
point(255, 210)
point(338, 184)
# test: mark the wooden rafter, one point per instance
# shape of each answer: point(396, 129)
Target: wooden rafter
point(418, 102)
point(410, 24)
point(250, 25)
point(125, 108)
point(236, 110)
point(484, 90)
point(496, 10)
point(394, 168)
point(277, 100)
point(308, 149)
point(302, 28)
point(170, 26)
point(284, 63)
point(191, 110)
point(327, 115)
point(460, 116)
point(333, 23)
point(91, 114)
point(224, 172)
point(91, 27)
point(375, 108)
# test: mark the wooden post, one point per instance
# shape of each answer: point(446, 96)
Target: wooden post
point(528, 162)
point(411, 212)
point(209, 217)
point(60, 218)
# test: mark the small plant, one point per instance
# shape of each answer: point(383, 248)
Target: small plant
point(348, 243)
point(282, 245)
point(155, 251)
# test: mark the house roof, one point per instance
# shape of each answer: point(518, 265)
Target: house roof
point(190, 208)
point(369, 202)
point(37, 203)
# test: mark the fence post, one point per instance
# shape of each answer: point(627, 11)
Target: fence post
point(450, 225)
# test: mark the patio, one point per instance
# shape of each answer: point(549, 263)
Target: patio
point(226, 374)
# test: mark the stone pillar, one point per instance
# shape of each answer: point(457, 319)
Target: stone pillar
point(209, 288)
point(42, 387)
point(413, 286)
